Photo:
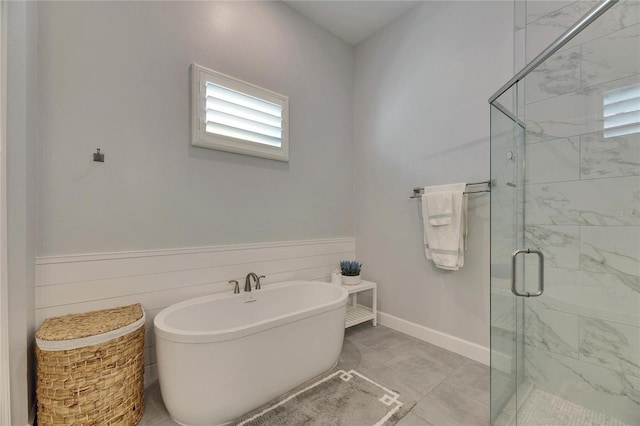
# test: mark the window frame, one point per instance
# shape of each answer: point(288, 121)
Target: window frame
point(201, 138)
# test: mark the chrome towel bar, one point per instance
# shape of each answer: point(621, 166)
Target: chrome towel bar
point(417, 192)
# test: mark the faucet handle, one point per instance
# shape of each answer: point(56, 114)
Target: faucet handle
point(258, 287)
point(236, 288)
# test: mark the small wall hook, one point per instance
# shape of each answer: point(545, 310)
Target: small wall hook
point(98, 156)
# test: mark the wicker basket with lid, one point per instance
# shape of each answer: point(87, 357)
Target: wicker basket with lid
point(90, 368)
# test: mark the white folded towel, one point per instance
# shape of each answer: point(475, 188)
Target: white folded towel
point(439, 206)
point(445, 244)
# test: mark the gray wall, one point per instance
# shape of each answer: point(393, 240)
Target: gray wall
point(115, 75)
point(422, 118)
point(21, 221)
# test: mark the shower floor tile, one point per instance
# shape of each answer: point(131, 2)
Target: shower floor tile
point(448, 389)
point(542, 408)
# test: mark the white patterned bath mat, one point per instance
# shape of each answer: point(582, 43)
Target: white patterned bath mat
point(343, 398)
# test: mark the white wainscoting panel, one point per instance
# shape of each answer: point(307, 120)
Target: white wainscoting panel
point(159, 278)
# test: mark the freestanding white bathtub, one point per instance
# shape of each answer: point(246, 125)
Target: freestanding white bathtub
point(223, 355)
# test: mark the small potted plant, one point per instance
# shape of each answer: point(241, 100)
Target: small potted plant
point(350, 272)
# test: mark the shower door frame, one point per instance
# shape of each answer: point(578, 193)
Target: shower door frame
point(5, 386)
point(514, 178)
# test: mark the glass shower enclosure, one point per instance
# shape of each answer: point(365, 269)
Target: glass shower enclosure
point(565, 230)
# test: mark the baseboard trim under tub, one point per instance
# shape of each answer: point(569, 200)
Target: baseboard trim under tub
point(454, 344)
point(150, 374)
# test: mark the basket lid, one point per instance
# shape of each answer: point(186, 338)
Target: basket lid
point(78, 326)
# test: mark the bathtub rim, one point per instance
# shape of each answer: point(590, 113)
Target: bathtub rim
point(171, 334)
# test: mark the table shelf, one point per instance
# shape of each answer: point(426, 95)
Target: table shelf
point(356, 313)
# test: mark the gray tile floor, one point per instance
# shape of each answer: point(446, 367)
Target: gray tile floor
point(447, 389)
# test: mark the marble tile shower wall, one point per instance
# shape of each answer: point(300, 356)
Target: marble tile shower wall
point(583, 210)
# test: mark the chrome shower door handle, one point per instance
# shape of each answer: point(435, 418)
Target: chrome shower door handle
point(540, 273)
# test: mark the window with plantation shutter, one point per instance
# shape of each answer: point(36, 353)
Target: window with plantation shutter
point(622, 111)
point(235, 116)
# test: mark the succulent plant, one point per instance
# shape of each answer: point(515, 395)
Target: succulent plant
point(350, 268)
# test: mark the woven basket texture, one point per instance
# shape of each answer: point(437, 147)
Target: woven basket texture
point(76, 326)
point(100, 384)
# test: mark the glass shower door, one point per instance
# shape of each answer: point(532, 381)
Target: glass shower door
point(565, 166)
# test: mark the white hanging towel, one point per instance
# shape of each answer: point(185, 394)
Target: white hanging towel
point(445, 243)
point(439, 206)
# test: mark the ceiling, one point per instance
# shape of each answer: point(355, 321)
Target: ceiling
point(352, 21)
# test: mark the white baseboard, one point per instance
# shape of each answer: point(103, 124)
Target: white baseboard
point(150, 374)
point(454, 344)
point(503, 362)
